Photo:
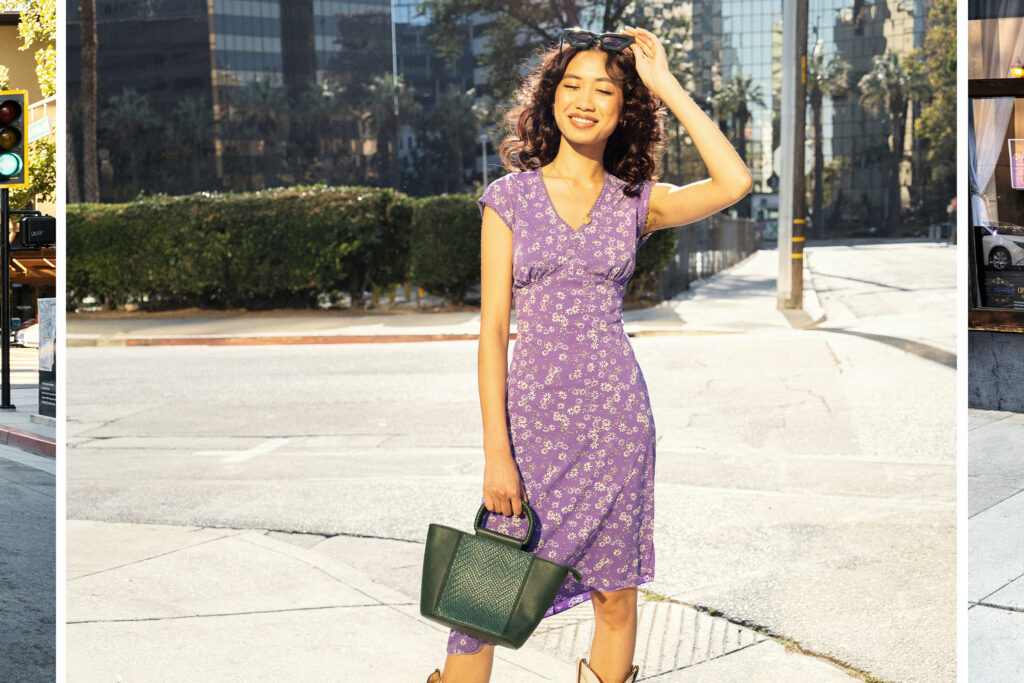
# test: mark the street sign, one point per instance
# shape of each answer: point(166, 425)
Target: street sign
point(40, 129)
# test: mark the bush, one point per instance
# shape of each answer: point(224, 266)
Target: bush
point(446, 245)
point(271, 248)
point(283, 247)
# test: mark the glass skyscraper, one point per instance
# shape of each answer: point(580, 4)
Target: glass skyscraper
point(169, 50)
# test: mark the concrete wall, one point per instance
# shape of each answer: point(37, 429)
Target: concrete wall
point(996, 370)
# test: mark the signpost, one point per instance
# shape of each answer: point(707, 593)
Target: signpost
point(15, 134)
point(792, 199)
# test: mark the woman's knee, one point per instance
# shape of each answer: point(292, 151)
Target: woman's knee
point(615, 606)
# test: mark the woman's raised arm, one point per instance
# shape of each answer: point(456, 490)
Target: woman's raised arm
point(730, 179)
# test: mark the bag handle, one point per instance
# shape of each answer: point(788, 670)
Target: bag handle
point(504, 538)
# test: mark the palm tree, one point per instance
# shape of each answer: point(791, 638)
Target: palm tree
point(455, 119)
point(191, 122)
point(261, 113)
point(90, 163)
point(825, 78)
point(317, 125)
point(386, 122)
point(128, 117)
point(732, 102)
point(891, 85)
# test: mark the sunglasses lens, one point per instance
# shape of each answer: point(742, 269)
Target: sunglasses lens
point(580, 39)
point(615, 42)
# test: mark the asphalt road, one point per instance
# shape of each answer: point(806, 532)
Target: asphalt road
point(805, 479)
point(27, 567)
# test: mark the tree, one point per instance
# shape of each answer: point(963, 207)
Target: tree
point(519, 27)
point(260, 112)
point(127, 118)
point(190, 127)
point(386, 122)
point(732, 102)
point(455, 120)
point(887, 90)
point(37, 25)
point(90, 162)
point(936, 128)
point(825, 78)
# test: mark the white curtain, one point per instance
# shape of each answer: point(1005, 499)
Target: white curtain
point(1002, 45)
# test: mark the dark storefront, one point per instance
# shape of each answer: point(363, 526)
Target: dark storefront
point(996, 244)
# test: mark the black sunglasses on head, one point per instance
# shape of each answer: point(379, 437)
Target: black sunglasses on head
point(581, 38)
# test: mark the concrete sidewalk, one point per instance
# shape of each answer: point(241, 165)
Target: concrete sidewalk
point(23, 427)
point(837, 536)
point(995, 579)
point(195, 603)
point(741, 299)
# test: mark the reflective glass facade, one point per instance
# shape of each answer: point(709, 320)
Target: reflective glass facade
point(212, 49)
point(745, 37)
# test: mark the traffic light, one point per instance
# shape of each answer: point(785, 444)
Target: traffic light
point(13, 159)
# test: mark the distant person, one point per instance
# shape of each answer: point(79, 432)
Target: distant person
point(568, 427)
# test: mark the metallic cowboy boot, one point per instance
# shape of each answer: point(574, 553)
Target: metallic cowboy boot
point(584, 674)
point(435, 677)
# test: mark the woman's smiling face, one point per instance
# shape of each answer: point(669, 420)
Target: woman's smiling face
point(588, 103)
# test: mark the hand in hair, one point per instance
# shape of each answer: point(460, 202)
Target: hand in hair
point(651, 60)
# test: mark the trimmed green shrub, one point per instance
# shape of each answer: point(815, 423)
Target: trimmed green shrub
point(446, 245)
point(283, 247)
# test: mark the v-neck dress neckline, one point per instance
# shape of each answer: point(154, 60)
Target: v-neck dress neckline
point(554, 209)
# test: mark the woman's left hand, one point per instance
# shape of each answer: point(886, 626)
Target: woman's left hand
point(649, 55)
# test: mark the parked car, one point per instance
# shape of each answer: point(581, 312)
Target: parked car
point(1002, 250)
point(27, 336)
point(17, 324)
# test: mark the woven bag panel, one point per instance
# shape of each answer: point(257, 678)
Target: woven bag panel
point(483, 583)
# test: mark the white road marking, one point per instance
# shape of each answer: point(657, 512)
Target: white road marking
point(241, 456)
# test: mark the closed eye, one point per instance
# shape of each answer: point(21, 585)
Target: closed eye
point(576, 87)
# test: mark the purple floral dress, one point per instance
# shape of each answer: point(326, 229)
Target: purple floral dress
point(578, 412)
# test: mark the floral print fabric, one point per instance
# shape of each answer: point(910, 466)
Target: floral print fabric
point(578, 412)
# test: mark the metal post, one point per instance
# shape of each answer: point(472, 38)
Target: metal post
point(394, 60)
point(792, 199)
point(5, 302)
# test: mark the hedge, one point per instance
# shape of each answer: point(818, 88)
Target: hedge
point(282, 247)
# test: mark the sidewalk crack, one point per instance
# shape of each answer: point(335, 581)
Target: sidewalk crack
point(235, 614)
point(153, 557)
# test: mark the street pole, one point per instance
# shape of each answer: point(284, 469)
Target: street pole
point(394, 61)
point(792, 193)
point(5, 302)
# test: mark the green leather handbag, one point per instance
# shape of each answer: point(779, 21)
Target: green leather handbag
point(486, 585)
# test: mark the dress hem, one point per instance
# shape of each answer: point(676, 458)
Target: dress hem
point(569, 603)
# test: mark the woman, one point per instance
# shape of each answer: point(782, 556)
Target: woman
point(568, 426)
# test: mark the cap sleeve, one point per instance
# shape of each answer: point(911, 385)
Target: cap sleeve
point(643, 206)
point(500, 196)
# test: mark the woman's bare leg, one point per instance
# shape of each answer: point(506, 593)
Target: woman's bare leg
point(611, 653)
point(474, 668)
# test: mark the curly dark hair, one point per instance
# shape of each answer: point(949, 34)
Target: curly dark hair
point(632, 151)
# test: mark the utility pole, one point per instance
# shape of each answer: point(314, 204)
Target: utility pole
point(792, 194)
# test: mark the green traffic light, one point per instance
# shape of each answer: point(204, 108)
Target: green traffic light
point(10, 165)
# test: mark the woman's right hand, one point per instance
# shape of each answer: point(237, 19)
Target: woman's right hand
point(503, 488)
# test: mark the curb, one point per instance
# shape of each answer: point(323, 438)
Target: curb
point(27, 441)
point(270, 340)
point(265, 340)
